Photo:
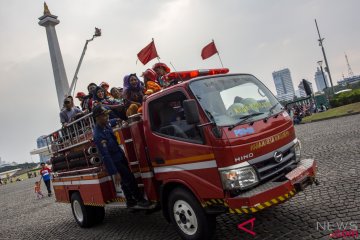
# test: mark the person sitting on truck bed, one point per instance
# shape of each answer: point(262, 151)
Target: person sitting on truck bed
point(133, 92)
point(118, 109)
point(161, 70)
point(116, 93)
point(114, 158)
point(106, 87)
point(151, 86)
point(80, 96)
point(88, 101)
point(69, 112)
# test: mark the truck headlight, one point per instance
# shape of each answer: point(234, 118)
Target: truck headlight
point(297, 150)
point(239, 178)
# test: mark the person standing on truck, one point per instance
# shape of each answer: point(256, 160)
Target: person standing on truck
point(45, 175)
point(69, 112)
point(114, 157)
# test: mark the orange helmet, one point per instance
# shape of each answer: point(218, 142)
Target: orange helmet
point(150, 75)
point(104, 84)
point(162, 65)
point(80, 94)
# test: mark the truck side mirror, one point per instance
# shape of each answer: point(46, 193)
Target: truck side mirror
point(191, 111)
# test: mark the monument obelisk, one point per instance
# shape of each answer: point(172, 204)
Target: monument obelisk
point(61, 83)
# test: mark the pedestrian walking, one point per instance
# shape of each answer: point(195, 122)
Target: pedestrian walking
point(45, 175)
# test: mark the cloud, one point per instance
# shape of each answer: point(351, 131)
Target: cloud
point(255, 37)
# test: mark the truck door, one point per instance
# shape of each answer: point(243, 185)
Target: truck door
point(177, 150)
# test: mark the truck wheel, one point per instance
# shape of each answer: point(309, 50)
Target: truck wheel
point(189, 217)
point(84, 215)
point(99, 213)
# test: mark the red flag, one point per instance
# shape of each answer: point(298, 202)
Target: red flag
point(148, 53)
point(208, 50)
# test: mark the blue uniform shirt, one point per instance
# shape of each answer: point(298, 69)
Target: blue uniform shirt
point(108, 146)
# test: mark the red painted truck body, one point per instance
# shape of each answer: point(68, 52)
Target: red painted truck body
point(201, 158)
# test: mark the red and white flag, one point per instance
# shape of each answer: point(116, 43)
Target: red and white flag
point(148, 53)
point(209, 50)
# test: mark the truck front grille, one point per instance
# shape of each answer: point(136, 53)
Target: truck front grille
point(268, 168)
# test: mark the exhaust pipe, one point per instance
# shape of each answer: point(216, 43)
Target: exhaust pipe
point(95, 160)
point(92, 150)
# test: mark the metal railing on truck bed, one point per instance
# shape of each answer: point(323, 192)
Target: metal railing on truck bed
point(75, 133)
point(71, 147)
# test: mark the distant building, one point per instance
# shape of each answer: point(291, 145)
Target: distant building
point(284, 85)
point(299, 93)
point(319, 80)
point(301, 90)
point(287, 97)
point(41, 142)
point(349, 80)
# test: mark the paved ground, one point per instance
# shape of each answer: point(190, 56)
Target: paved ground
point(335, 144)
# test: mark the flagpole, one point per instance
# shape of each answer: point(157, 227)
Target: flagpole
point(217, 52)
point(158, 58)
point(220, 60)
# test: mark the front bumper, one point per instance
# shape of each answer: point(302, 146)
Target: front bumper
point(272, 193)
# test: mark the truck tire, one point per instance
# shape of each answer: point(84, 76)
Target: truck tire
point(189, 217)
point(84, 215)
point(99, 213)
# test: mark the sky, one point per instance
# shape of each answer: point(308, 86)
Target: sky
point(252, 36)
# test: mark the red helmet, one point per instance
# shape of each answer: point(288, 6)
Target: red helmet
point(104, 84)
point(80, 94)
point(150, 75)
point(162, 65)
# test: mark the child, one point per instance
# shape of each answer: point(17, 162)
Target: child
point(38, 190)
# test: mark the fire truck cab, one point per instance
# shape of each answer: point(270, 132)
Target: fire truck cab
point(213, 144)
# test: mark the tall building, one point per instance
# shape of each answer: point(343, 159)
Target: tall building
point(284, 85)
point(319, 80)
point(301, 91)
point(41, 142)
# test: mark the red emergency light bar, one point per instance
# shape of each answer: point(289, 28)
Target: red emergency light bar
point(186, 75)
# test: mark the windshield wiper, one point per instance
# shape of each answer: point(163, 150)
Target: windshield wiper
point(271, 112)
point(272, 109)
point(243, 119)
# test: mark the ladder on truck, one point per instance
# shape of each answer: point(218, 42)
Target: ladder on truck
point(126, 142)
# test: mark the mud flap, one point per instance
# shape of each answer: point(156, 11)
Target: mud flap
point(301, 185)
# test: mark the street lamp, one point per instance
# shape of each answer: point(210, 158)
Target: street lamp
point(322, 72)
point(73, 83)
point(326, 62)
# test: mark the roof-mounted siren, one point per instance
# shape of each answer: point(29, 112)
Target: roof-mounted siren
point(186, 75)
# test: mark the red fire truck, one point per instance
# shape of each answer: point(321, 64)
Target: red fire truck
point(212, 143)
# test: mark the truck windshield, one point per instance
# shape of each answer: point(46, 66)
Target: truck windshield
point(229, 99)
